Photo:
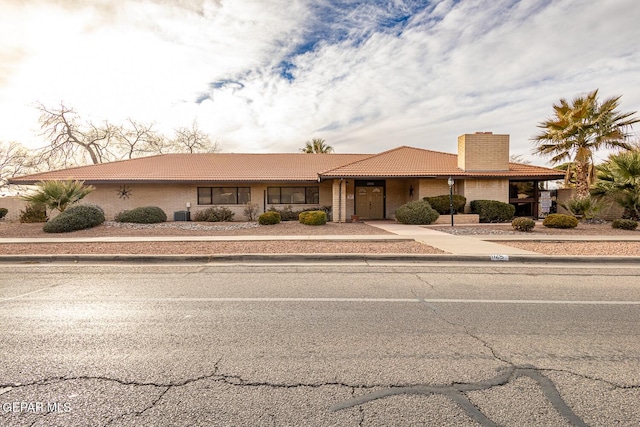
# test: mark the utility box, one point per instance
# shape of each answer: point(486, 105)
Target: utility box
point(182, 216)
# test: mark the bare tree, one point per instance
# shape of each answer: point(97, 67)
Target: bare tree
point(15, 160)
point(71, 141)
point(135, 139)
point(192, 140)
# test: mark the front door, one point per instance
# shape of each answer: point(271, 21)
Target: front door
point(370, 202)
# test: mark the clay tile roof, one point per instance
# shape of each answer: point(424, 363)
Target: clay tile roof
point(399, 162)
point(416, 162)
point(203, 167)
point(229, 167)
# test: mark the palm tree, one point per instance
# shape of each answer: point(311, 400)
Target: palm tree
point(317, 146)
point(578, 129)
point(58, 194)
point(619, 180)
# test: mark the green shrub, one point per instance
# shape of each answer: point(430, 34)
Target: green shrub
point(523, 224)
point(625, 224)
point(492, 210)
point(142, 215)
point(3, 212)
point(77, 217)
point(215, 214)
point(583, 207)
point(560, 221)
point(33, 213)
point(441, 203)
point(416, 212)
point(286, 213)
point(313, 217)
point(269, 218)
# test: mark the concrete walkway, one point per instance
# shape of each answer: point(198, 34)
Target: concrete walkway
point(459, 245)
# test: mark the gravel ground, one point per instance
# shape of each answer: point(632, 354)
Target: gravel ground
point(579, 248)
point(9, 229)
point(603, 229)
point(294, 228)
point(207, 248)
point(212, 248)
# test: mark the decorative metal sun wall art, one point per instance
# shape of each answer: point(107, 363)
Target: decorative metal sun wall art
point(124, 192)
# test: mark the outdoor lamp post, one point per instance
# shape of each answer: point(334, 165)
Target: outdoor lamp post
point(450, 182)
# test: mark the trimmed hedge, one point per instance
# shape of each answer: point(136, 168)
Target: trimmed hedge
point(269, 218)
point(441, 203)
point(79, 217)
point(560, 221)
point(624, 224)
point(215, 214)
point(142, 215)
point(492, 210)
point(3, 212)
point(523, 224)
point(416, 212)
point(313, 217)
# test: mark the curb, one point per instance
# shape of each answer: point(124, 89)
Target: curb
point(312, 258)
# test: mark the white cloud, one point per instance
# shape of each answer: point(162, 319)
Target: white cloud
point(359, 81)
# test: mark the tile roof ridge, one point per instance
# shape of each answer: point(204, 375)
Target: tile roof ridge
point(369, 156)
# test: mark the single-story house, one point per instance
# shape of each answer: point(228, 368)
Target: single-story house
point(371, 186)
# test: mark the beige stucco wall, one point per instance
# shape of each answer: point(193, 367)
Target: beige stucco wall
point(483, 152)
point(14, 205)
point(174, 197)
point(434, 187)
point(484, 189)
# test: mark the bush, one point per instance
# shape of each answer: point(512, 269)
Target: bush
point(492, 210)
point(269, 218)
point(143, 215)
point(560, 221)
point(33, 213)
point(3, 212)
point(78, 217)
point(523, 224)
point(215, 214)
point(625, 224)
point(251, 211)
point(313, 217)
point(416, 212)
point(441, 203)
point(583, 207)
point(286, 213)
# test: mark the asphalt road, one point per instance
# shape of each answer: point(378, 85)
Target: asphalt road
point(445, 345)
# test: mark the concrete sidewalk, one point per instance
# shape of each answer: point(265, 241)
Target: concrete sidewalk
point(458, 245)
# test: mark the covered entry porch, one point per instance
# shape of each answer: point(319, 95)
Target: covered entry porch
point(378, 198)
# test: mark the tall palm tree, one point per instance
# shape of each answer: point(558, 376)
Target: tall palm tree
point(317, 146)
point(619, 180)
point(581, 127)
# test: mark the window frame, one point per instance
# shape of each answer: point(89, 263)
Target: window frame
point(308, 192)
point(239, 195)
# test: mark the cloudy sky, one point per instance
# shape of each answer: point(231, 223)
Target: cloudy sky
point(268, 75)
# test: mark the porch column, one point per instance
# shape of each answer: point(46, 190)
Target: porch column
point(339, 205)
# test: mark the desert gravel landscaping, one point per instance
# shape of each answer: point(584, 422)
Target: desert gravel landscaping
point(113, 229)
point(290, 228)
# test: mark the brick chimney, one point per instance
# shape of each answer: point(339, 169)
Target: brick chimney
point(483, 151)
